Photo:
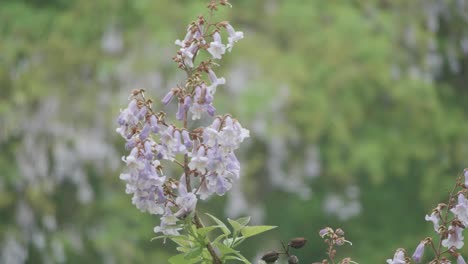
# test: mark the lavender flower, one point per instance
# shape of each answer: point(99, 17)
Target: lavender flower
point(398, 258)
point(215, 81)
point(465, 173)
point(168, 224)
point(208, 152)
point(217, 48)
point(461, 209)
point(419, 252)
point(455, 238)
point(460, 260)
point(234, 36)
point(434, 218)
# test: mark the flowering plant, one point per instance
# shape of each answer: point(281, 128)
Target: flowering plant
point(449, 220)
point(204, 155)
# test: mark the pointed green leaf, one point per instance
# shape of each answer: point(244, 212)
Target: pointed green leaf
point(194, 253)
point(180, 259)
point(249, 231)
point(236, 226)
point(205, 230)
point(243, 220)
point(220, 224)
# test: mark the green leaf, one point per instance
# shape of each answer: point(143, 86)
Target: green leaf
point(205, 230)
point(236, 226)
point(165, 236)
point(243, 220)
point(182, 241)
point(194, 253)
point(180, 259)
point(220, 224)
point(232, 242)
point(249, 231)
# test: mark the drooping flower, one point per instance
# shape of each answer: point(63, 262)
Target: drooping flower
point(234, 36)
point(398, 258)
point(434, 218)
point(215, 81)
point(217, 48)
point(419, 252)
point(325, 231)
point(168, 225)
point(199, 160)
point(455, 238)
point(461, 209)
point(460, 260)
point(128, 119)
point(202, 102)
point(168, 97)
point(465, 173)
point(186, 201)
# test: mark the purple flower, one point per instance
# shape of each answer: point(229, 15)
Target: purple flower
point(455, 238)
point(187, 38)
point(180, 115)
point(460, 260)
point(434, 218)
point(187, 201)
point(461, 209)
point(128, 119)
point(188, 53)
point(168, 224)
point(325, 231)
point(217, 48)
point(215, 81)
point(168, 97)
point(186, 137)
point(419, 252)
point(154, 124)
point(465, 173)
point(234, 36)
point(398, 258)
point(145, 131)
point(199, 160)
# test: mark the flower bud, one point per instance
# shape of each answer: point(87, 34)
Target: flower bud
point(325, 231)
point(465, 173)
point(460, 260)
point(339, 232)
point(270, 257)
point(293, 260)
point(419, 252)
point(297, 242)
point(168, 97)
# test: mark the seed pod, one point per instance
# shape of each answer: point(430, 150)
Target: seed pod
point(270, 257)
point(293, 260)
point(297, 242)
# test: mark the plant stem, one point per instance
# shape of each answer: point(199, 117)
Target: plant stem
point(196, 219)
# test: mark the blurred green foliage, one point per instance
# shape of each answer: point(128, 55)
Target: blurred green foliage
point(379, 87)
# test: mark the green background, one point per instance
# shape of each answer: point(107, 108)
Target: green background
point(357, 111)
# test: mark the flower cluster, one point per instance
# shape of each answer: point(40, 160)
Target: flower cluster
point(449, 229)
point(205, 155)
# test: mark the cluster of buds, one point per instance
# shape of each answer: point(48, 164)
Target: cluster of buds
point(205, 155)
point(295, 243)
point(449, 231)
point(331, 237)
point(334, 238)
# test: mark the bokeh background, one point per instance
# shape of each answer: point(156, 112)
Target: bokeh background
point(358, 114)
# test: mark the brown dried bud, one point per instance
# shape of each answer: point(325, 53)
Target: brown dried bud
point(339, 232)
point(297, 242)
point(293, 260)
point(270, 257)
point(340, 241)
point(346, 261)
